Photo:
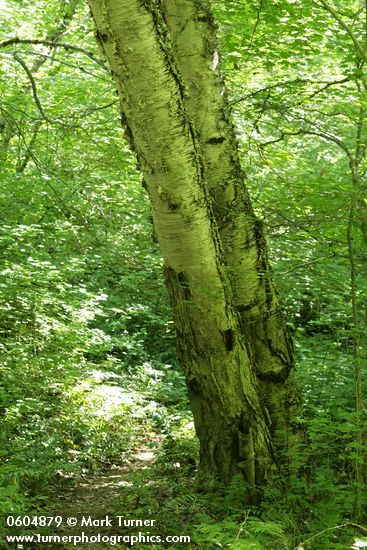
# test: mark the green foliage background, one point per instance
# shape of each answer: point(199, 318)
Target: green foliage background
point(88, 366)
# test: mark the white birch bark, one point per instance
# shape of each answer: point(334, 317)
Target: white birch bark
point(230, 420)
point(192, 34)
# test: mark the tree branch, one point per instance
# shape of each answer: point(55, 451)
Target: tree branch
point(34, 88)
point(299, 266)
point(67, 47)
point(22, 165)
point(323, 135)
point(289, 83)
point(45, 56)
point(345, 26)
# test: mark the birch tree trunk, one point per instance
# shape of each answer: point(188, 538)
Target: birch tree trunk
point(231, 421)
point(192, 32)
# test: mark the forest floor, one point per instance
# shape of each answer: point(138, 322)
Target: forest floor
point(99, 496)
point(95, 497)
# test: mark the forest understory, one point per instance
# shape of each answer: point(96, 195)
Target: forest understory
point(95, 414)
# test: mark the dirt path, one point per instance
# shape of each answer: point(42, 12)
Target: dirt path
point(95, 498)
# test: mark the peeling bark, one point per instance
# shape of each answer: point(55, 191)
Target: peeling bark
point(192, 33)
point(230, 418)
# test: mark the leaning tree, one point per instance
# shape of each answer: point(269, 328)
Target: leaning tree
point(231, 336)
